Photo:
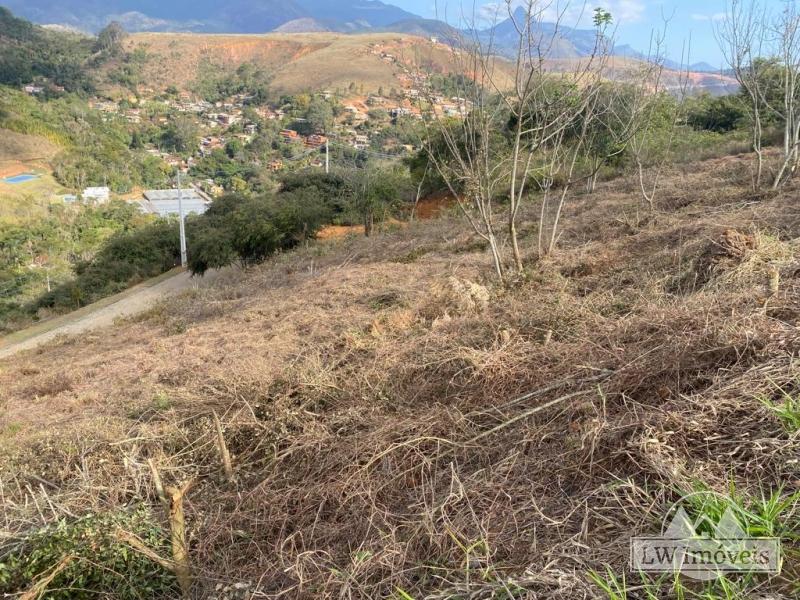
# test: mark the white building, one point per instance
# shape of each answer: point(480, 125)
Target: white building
point(96, 195)
point(165, 202)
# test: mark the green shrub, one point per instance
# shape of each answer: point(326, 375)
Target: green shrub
point(128, 257)
point(787, 409)
point(719, 114)
point(249, 230)
point(100, 565)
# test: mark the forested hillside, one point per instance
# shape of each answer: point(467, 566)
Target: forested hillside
point(29, 52)
point(94, 150)
point(50, 130)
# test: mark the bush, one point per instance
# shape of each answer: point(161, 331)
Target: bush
point(48, 247)
point(329, 189)
point(127, 258)
point(30, 52)
point(719, 114)
point(99, 564)
point(251, 229)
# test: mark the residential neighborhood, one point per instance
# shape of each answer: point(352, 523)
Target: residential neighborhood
point(288, 134)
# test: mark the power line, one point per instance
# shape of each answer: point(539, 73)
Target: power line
point(368, 151)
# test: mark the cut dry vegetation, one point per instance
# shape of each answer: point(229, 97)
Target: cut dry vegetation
point(399, 426)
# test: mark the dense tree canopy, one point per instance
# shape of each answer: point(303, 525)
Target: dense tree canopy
point(181, 135)
point(29, 53)
point(249, 229)
point(217, 82)
point(110, 39)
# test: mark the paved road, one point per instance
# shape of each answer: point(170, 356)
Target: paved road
point(128, 303)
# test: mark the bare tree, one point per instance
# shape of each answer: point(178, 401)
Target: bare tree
point(608, 137)
point(656, 133)
point(763, 51)
point(655, 115)
point(461, 148)
point(742, 38)
point(787, 35)
point(546, 109)
point(523, 126)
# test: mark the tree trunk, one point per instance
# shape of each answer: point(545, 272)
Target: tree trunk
point(591, 184)
point(542, 215)
point(649, 198)
point(557, 220)
point(496, 258)
point(512, 233)
point(369, 223)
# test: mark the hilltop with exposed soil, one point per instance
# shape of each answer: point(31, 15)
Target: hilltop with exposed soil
point(329, 60)
point(334, 60)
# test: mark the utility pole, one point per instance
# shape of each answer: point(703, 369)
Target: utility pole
point(182, 224)
point(327, 156)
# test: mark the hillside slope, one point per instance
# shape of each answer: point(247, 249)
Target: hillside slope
point(31, 53)
point(335, 60)
point(329, 60)
point(387, 407)
point(24, 153)
point(623, 68)
point(23, 149)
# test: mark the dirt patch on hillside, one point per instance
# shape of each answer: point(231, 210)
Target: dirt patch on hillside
point(434, 205)
point(20, 152)
point(330, 60)
point(339, 231)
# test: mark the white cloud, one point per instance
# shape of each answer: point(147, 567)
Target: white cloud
point(714, 17)
point(625, 11)
point(575, 13)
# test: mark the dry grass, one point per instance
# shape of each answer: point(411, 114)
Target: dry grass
point(381, 401)
point(21, 150)
point(330, 60)
point(20, 153)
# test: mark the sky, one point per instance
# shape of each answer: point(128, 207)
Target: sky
point(690, 22)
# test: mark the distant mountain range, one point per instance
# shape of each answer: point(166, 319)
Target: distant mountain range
point(563, 42)
point(296, 16)
point(698, 67)
point(211, 16)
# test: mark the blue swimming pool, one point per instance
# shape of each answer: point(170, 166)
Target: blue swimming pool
point(20, 178)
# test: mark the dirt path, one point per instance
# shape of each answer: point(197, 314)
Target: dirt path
point(103, 313)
